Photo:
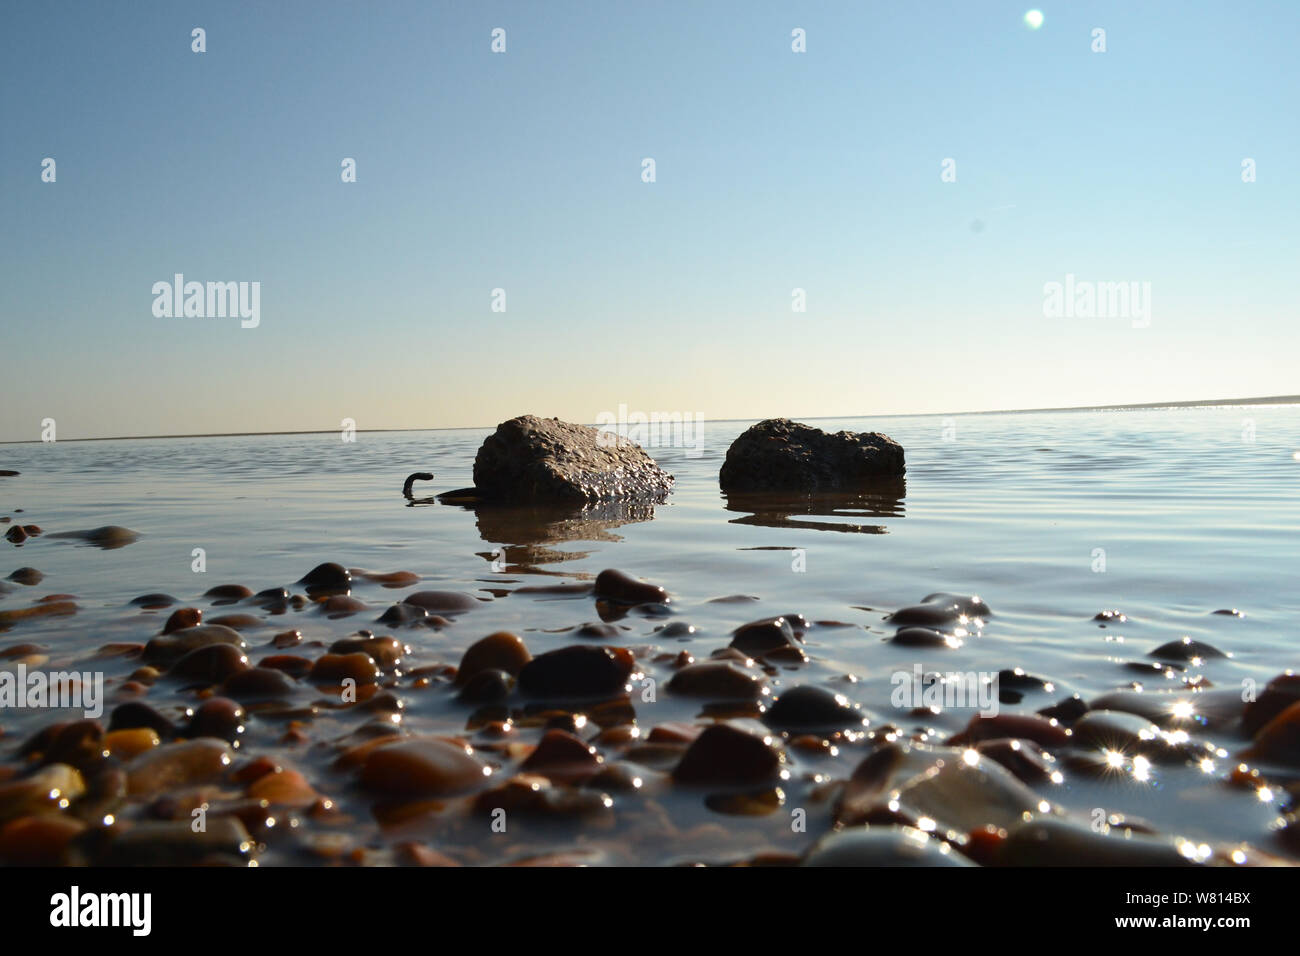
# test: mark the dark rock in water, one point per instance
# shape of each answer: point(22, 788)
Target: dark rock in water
point(563, 757)
point(182, 618)
point(227, 593)
point(781, 455)
point(1280, 693)
point(7, 473)
point(717, 681)
point(153, 601)
point(759, 638)
point(531, 459)
point(400, 614)
point(182, 764)
point(582, 670)
point(882, 846)
point(1114, 730)
point(500, 651)
point(443, 602)
point(384, 651)
point(327, 578)
point(725, 756)
point(134, 713)
point(813, 709)
point(210, 664)
point(271, 597)
point(1110, 617)
point(175, 843)
point(941, 610)
point(256, 684)
point(1186, 650)
point(1017, 679)
point(108, 537)
point(489, 686)
point(27, 576)
point(1279, 739)
point(1049, 842)
point(217, 717)
point(614, 585)
point(1025, 726)
point(532, 795)
point(173, 646)
point(334, 669)
point(16, 534)
point(1067, 710)
point(924, 637)
point(422, 766)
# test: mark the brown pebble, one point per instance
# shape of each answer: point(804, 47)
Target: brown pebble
point(499, 651)
point(334, 669)
point(717, 680)
point(422, 766)
point(614, 585)
point(581, 670)
point(726, 756)
point(181, 618)
point(38, 840)
point(386, 652)
point(27, 576)
point(210, 664)
point(563, 757)
point(257, 683)
point(227, 593)
point(442, 602)
point(183, 764)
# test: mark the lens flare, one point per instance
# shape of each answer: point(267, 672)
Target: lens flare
point(1034, 19)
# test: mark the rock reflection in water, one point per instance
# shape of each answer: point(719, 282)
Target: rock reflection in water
point(883, 499)
point(525, 534)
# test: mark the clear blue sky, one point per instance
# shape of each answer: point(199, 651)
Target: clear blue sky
point(522, 170)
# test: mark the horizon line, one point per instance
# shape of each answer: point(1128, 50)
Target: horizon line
point(1129, 406)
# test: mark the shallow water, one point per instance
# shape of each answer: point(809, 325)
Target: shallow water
point(1191, 511)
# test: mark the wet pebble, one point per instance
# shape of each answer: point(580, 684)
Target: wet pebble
point(327, 578)
point(176, 843)
point(812, 709)
point(182, 618)
point(764, 637)
point(725, 756)
point(50, 789)
point(442, 602)
point(718, 680)
point(502, 651)
point(217, 717)
point(173, 766)
point(1279, 694)
point(135, 714)
point(924, 637)
point(488, 686)
point(428, 766)
point(171, 647)
point(400, 614)
point(614, 585)
point(227, 593)
point(1186, 650)
point(563, 757)
point(883, 846)
point(258, 684)
point(581, 670)
point(26, 576)
point(334, 669)
point(210, 664)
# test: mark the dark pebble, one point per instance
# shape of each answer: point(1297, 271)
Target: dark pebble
point(211, 664)
point(725, 756)
point(216, 717)
point(614, 585)
point(812, 709)
point(27, 576)
point(582, 670)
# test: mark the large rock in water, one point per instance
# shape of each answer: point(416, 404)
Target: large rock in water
point(781, 455)
point(545, 460)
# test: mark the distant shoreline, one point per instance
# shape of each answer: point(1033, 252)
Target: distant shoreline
point(1136, 406)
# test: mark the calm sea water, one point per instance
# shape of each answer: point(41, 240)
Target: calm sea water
point(1164, 515)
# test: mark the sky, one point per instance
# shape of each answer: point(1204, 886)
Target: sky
point(774, 170)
